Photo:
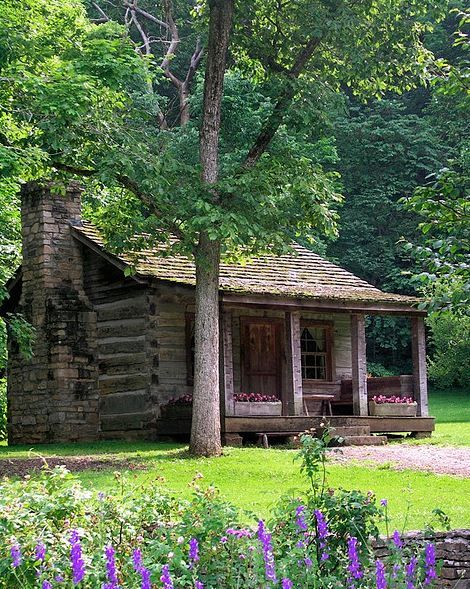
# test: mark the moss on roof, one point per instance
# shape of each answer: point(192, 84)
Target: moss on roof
point(301, 274)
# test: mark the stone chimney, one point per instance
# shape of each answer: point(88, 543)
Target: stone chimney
point(53, 396)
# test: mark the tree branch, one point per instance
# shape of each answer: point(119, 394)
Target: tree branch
point(146, 14)
point(127, 183)
point(104, 17)
point(142, 33)
point(174, 41)
point(277, 116)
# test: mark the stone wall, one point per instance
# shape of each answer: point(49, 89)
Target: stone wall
point(452, 549)
point(53, 396)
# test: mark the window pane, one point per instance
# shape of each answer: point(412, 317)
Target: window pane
point(313, 345)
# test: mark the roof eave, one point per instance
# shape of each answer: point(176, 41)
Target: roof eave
point(322, 304)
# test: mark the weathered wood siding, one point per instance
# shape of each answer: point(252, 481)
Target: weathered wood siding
point(171, 303)
point(125, 349)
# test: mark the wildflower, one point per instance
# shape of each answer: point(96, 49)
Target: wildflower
point(143, 572)
point(198, 585)
point(101, 496)
point(111, 572)
point(193, 551)
point(410, 571)
point(40, 552)
point(396, 568)
point(381, 581)
point(59, 579)
point(322, 531)
point(397, 540)
point(429, 563)
point(308, 562)
point(16, 557)
point(223, 540)
point(180, 540)
point(76, 559)
point(354, 566)
point(383, 502)
point(265, 539)
point(165, 578)
point(300, 519)
point(46, 585)
point(137, 560)
point(287, 584)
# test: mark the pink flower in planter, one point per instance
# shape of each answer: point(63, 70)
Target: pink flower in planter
point(254, 398)
point(380, 399)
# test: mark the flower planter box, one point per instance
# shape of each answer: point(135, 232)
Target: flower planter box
point(392, 409)
point(177, 411)
point(257, 409)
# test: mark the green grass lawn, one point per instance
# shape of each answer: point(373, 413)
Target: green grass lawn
point(254, 478)
point(451, 408)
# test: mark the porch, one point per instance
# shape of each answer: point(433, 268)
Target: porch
point(265, 347)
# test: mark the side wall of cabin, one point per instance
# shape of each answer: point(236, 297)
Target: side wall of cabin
point(125, 349)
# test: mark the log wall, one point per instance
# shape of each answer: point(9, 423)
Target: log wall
point(125, 346)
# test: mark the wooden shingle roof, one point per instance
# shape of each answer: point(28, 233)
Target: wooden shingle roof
point(301, 274)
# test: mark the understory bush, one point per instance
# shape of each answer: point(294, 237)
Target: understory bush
point(449, 364)
point(56, 533)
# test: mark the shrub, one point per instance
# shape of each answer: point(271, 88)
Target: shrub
point(56, 533)
point(449, 364)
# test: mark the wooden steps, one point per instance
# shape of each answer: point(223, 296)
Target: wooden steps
point(357, 435)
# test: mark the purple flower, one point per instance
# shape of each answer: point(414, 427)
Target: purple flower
point(146, 583)
point(322, 531)
point(165, 578)
point(137, 559)
point(76, 559)
point(15, 553)
point(287, 584)
point(59, 579)
point(300, 519)
point(380, 580)
point(308, 562)
point(143, 572)
point(40, 552)
point(429, 563)
point(46, 585)
point(111, 572)
point(397, 540)
point(193, 552)
point(354, 566)
point(265, 539)
point(383, 502)
point(410, 571)
point(198, 585)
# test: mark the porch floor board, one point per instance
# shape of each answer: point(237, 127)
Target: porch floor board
point(299, 423)
point(296, 424)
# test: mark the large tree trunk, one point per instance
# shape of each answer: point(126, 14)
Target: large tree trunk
point(205, 431)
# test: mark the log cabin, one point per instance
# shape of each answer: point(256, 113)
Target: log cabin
point(112, 350)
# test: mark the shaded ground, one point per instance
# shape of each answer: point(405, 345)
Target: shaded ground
point(22, 466)
point(440, 460)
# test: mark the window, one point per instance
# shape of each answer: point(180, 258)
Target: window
point(190, 346)
point(315, 347)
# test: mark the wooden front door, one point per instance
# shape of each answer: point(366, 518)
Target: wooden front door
point(261, 356)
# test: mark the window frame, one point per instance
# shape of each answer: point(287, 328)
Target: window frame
point(328, 326)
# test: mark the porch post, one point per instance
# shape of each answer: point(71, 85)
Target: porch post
point(359, 365)
point(293, 396)
point(227, 363)
point(418, 347)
